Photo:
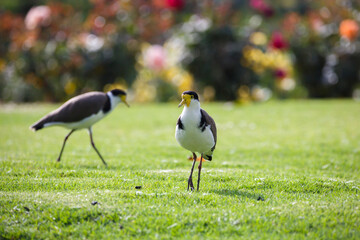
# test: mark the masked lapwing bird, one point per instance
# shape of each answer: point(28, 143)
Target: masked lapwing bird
point(195, 131)
point(82, 112)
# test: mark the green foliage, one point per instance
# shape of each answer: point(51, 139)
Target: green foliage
point(281, 170)
point(231, 50)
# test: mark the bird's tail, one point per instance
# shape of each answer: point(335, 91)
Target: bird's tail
point(37, 126)
point(45, 121)
point(208, 155)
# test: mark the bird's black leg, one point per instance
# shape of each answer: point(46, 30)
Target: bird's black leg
point(93, 145)
point(62, 149)
point(190, 182)
point(200, 165)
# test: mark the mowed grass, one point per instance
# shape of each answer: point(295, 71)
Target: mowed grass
point(281, 170)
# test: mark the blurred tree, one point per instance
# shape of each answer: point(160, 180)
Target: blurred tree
point(216, 63)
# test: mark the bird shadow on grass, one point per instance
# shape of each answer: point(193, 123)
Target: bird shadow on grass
point(239, 194)
point(80, 166)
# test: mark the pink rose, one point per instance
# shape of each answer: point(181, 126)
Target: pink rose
point(37, 16)
point(155, 57)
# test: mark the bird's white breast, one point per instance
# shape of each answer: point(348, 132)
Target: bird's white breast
point(191, 137)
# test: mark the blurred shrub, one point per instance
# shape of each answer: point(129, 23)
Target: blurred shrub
point(53, 53)
point(226, 50)
point(216, 63)
point(325, 44)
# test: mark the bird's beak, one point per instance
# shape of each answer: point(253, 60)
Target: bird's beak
point(181, 103)
point(123, 99)
point(186, 99)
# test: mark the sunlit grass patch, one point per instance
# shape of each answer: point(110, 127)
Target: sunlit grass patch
point(286, 170)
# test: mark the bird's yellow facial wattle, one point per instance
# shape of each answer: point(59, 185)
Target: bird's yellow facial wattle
point(186, 99)
point(123, 99)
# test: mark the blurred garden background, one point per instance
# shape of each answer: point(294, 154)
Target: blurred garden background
point(228, 50)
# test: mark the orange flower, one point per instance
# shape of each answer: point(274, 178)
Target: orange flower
point(349, 29)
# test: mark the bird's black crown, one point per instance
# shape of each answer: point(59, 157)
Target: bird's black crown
point(118, 92)
point(192, 93)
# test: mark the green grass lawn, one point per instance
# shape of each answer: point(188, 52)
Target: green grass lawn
point(281, 170)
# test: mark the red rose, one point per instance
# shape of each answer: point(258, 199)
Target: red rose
point(175, 4)
point(277, 41)
point(280, 73)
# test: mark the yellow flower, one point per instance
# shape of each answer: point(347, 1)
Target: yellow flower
point(186, 82)
point(258, 38)
point(2, 64)
point(70, 87)
point(259, 61)
point(244, 94)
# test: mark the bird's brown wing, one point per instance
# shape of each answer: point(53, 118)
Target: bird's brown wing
point(77, 108)
point(179, 123)
point(205, 117)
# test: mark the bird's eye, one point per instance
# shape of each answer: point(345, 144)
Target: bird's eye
point(192, 96)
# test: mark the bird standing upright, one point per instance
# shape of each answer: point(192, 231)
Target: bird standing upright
point(195, 131)
point(82, 111)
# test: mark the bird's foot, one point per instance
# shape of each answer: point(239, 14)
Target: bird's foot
point(190, 158)
point(190, 185)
